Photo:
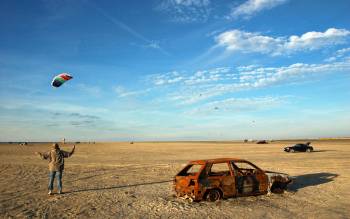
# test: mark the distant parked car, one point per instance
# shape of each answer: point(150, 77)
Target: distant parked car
point(262, 142)
point(299, 148)
point(226, 177)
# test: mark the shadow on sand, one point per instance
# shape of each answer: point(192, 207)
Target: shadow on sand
point(117, 187)
point(299, 182)
point(312, 179)
point(321, 151)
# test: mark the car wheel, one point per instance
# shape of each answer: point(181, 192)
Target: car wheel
point(213, 195)
point(292, 150)
point(308, 150)
point(278, 188)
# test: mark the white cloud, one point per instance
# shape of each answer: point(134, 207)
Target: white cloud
point(338, 54)
point(123, 92)
point(186, 10)
point(154, 45)
point(191, 2)
point(251, 7)
point(251, 77)
point(250, 42)
point(166, 78)
point(200, 10)
point(315, 40)
point(262, 77)
point(240, 105)
point(182, 88)
point(198, 77)
point(342, 52)
point(207, 76)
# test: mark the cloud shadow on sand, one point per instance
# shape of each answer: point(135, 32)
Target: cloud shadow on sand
point(117, 186)
point(312, 179)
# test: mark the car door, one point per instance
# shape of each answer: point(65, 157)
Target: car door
point(249, 179)
point(298, 147)
point(220, 176)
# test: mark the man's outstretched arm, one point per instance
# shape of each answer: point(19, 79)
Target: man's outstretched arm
point(68, 154)
point(43, 156)
point(72, 152)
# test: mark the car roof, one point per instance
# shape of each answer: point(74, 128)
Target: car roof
point(216, 160)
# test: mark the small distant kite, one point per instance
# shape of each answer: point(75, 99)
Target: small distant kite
point(60, 79)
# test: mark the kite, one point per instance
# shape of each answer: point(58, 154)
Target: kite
point(60, 79)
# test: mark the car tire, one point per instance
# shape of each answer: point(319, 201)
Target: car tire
point(308, 150)
point(213, 195)
point(278, 188)
point(292, 150)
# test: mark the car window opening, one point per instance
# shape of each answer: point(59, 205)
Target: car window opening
point(190, 170)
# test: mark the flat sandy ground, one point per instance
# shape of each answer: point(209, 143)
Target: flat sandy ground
point(123, 180)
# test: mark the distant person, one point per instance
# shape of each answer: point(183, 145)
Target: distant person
point(56, 165)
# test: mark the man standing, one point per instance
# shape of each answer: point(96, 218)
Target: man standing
point(56, 165)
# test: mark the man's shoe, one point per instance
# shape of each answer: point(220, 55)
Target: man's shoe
point(60, 192)
point(50, 192)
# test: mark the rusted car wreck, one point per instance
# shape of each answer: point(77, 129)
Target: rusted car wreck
point(226, 177)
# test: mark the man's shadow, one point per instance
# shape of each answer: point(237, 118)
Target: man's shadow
point(312, 179)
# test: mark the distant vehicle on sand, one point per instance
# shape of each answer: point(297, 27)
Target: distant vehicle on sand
point(262, 142)
point(299, 148)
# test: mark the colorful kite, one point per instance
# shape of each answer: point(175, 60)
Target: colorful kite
point(60, 79)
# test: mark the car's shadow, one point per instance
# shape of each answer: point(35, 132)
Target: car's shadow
point(116, 187)
point(321, 151)
point(312, 179)
point(314, 151)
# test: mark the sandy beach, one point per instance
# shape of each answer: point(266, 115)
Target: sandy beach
point(123, 180)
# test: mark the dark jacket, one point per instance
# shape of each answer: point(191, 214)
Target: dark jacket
point(56, 158)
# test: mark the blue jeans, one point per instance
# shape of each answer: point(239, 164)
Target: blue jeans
point(59, 179)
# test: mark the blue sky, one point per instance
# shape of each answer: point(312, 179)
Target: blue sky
point(174, 69)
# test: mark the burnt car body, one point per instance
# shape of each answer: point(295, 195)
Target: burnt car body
point(299, 148)
point(226, 177)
